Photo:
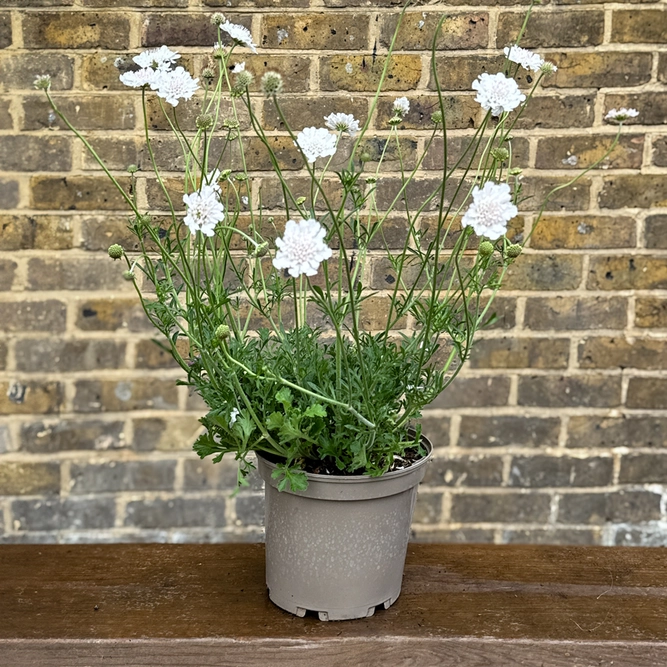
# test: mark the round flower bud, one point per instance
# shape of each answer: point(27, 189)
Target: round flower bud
point(42, 82)
point(115, 251)
point(371, 179)
point(244, 79)
point(204, 121)
point(218, 50)
point(222, 332)
point(514, 250)
point(395, 120)
point(436, 117)
point(486, 248)
point(208, 74)
point(500, 154)
point(515, 171)
point(128, 275)
point(230, 124)
point(224, 174)
point(548, 68)
point(300, 200)
point(240, 177)
point(132, 169)
point(365, 156)
point(260, 250)
point(272, 84)
point(218, 18)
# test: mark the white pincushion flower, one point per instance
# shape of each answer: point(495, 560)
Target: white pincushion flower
point(238, 68)
point(212, 179)
point(176, 85)
point(316, 142)
point(204, 210)
point(618, 116)
point(232, 416)
point(342, 122)
point(490, 211)
point(527, 59)
point(159, 59)
point(401, 106)
point(146, 76)
point(240, 34)
point(302, 249)
point(497, 93)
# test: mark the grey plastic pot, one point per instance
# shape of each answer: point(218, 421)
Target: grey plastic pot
point(338, 548)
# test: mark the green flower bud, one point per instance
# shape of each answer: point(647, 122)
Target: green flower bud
point(486, 249)
point(222, 332)
point(260, 250)
point(300, 200)
point(204, 121)
point(218, 18)
point(515, 171)
point(128, 275)
point(224, 174)
point(132, 169)
point(272, 84)
point(240, 177)
point(514, 250)
point(115, 251)
point(230, 124)
point(395, 120)
point(371, 179)
point(244, 79)
point(208, 74)
point(436, 117)
point(500, 154)
point(365, 156)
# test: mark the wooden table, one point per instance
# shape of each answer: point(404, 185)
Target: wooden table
point(203, 605)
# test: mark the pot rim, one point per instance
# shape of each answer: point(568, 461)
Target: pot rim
point(363, 479)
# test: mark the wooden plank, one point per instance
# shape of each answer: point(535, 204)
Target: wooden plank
point(533, 597)
point(385, 652)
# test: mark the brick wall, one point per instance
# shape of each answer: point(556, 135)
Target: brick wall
point(557, 430)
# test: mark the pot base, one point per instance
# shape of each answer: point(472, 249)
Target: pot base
point(346, 614)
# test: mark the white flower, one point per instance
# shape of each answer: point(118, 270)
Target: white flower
point(316, 142)
point(244, 201)
point(176, 85)
point(146, 76)
point(302, 249)
point(401, 106)
point(497, 93)
point(238, 68)
point(618, 116)
point(527, 59)
point(240, 34)
point(159, 59)
point(342, 122)
point(204, 210)
point(42, 82)
point(232, 416)
point(490, 211)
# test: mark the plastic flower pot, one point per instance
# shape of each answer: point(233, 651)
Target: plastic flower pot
point(338, 548)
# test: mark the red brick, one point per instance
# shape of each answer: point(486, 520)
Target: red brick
point(75, 30)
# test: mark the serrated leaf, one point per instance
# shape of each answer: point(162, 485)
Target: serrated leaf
point(316, 410)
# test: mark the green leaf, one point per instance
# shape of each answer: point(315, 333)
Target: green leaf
point(316, 410)
point(275, 421)
point(284, 396)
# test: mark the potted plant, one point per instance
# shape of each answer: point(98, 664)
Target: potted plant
point(314, 337)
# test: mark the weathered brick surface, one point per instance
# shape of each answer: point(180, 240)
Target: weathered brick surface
point(566, 384)
point(75, 30)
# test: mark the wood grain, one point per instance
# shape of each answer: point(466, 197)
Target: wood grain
point(207, 604)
